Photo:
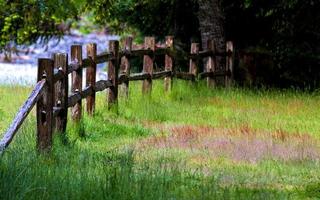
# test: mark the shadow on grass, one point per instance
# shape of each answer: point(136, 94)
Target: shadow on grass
point(77, 174)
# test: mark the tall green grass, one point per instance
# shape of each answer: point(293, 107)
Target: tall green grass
point(264, 109)
point(105, 164)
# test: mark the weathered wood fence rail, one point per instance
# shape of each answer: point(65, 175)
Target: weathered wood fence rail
point(51, 92)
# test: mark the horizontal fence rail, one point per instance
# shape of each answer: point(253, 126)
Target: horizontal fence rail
point(99, 86)
point(51, 92)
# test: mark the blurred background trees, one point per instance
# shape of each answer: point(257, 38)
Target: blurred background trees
point(24, 22)
point(286, 31)
point(278, 41)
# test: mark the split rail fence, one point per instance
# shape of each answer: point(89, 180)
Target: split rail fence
point(50, 94)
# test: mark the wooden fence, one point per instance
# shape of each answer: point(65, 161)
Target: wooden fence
point(50, 94)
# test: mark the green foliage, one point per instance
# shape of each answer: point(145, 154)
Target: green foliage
point(286, 30)
point(148, 16)
point(24, 22)
point(151, 17)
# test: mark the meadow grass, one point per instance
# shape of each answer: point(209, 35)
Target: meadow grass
point(164, 146)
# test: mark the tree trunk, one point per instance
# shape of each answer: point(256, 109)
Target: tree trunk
point(211, 22)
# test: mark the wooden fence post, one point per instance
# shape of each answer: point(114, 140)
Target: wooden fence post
point(45, 106)
point(91, 77)
point(193, 69)
point(125, 66)
point(229, 64)
point(211, 63)
point(113, 68)
point(61, 91)
point(168, 64)
point(76, 57)
point(149, 44)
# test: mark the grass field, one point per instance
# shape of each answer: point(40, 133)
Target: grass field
point(193, 143)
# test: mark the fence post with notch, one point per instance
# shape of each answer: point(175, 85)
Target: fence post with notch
point(211, 63)
point(91, 77)
point(125, 66)
point(168, 64)
point(61, 91)
point(149, 44)
point(229, 63)
point(193, 67)
point(113, 69)
point(45, 106)
point(76, 58)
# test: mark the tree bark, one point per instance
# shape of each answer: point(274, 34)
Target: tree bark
point(211, 24)
point(211, 21)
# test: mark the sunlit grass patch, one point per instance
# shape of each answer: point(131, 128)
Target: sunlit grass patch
point(190, 143)
point(243, 144)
